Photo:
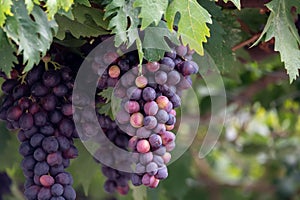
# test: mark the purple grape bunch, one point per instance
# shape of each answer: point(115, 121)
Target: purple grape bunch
point(39, 106)
point(149, 96)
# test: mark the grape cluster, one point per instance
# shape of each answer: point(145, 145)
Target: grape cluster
point(39, 106)
point(149, 95)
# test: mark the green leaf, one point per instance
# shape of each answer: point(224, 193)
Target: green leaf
point(84, 13)
point(29, 5)
point(151, 11)
point(237, 3)
point(54, 5)
point(6, 53)
point(77, 29)
point(84, 161)
point(33, 36)
point(139, 193)
point(120, 11)
point(5, 9)
point(192, 27)
point(154, 43)
point(83, 2)
point(280, 25)
point(107, 94)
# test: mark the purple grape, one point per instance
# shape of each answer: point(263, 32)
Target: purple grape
point(149, 94)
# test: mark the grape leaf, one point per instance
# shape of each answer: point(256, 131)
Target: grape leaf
point(83, 2)
point(107, 107)
point(192, 26)
point(54, 5)
point(84, 161)
point(6, 54)
point(120, 11)
point(83, 14)
point(5, 9)
point(280, 25)
point(154, 42)
point(85, 23)
point(151, 11)
point(33, 35)
point(237, 3)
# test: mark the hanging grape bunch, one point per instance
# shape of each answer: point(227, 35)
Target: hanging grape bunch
point(39, 106)
point(149, 96)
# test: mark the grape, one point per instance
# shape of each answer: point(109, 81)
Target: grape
point(146, 158)
point(134, 93)
point(57, 190)
point(69, 193)
point(36, 140)
point(149, 94)
point(187, 68)
point(155, 141)
point(46, 180)
point(136, 180)
point(39, 90)
point(123, 117)
point(136, 120)
point(160, 77)
point(47, 130)
point(67, 109)
point(181, 50)
point(143, 146)
point(128, 79)
point(40, 118)
point(167, 64)
point(44, 194)
point(172, 120)
point(26, 121)
point(66, 127)
point(160, 151)
point(39, 154)
point(8, 85)
point(162, 116)
point(63, 178)
point(150, 122)
point(51, 78)
point(109, 186)
point(28, 162)
point(152, 66)
point(32, 192)
point(54, 159)
point(25, 149)
point(110, 57)
point(140, 169)
point(114, 71)
point(173, 78)
point(143, 132)
point(158, 160)
point(176, 101)
point(131, 106)
point(170, 146)
point(162, 101)
point(50, 144)
point(151, 108)
point(14, 113)
point(55, 116)
point(60, 90)
point(171, 54)
point(19, 91)
point(49, 102)
point(141, 81)
point(151, 168)
point(41, 168)
point(166, 157)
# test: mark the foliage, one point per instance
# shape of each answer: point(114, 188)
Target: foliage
point(259, 146)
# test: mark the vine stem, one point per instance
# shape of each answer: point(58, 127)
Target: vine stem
point(247, 42)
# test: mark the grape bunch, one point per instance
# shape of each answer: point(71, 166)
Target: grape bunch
point(39, 106)
point(149, 95)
